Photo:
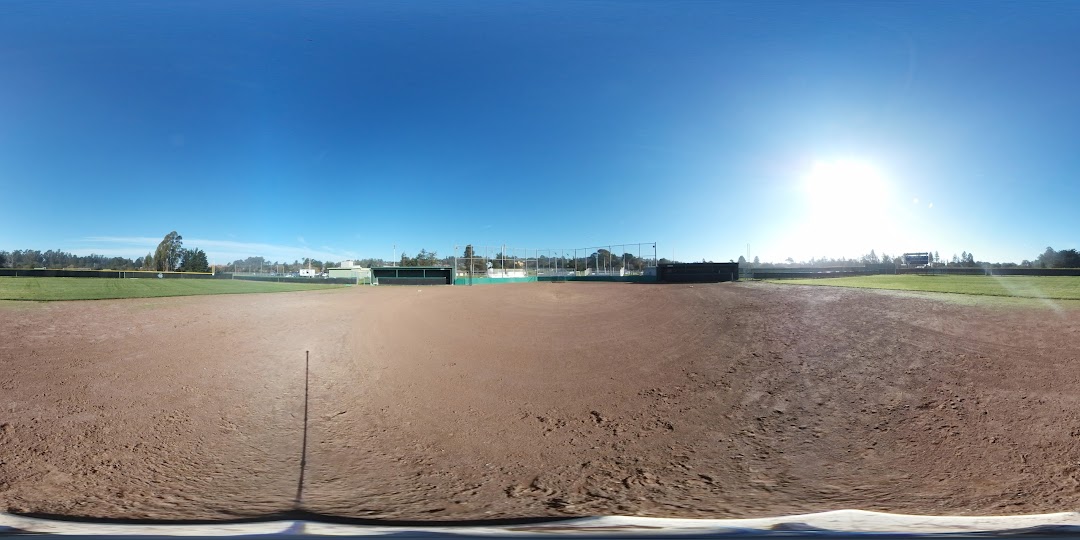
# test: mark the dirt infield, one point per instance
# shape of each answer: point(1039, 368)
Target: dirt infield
point(722, 400)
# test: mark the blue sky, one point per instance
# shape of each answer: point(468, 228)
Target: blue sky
point(338, 130)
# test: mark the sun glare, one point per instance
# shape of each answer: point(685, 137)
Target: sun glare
point(845, 186)
point(848, 210)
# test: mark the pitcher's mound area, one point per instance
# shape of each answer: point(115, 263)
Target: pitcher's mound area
point(729, 400)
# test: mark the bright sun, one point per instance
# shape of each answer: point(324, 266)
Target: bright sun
point(847, 210)
point(845, 186)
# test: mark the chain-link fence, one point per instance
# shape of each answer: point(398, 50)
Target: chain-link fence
point(506, 262)
point(502, 262)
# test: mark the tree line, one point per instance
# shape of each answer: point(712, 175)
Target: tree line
point(1066, 258)
point(256, 265)
point(480, 262)
point(601, 259)
point(170, 256)
point(33, 258)
point(422, 258)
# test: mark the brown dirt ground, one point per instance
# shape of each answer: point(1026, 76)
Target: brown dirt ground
point(727, 400)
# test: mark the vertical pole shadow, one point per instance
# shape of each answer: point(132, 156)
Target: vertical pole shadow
point(303, 451)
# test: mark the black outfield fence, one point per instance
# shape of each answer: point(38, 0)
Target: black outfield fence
point(797, 274)
point(697, 272)
point(412, 281)
point(146, 274)
point(870, 270)
point(993, 271)
point(287, 279)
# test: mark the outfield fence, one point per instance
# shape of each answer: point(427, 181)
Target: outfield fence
point(993, 271)
point(149, 274)
point(122, 274)
point(289, 279)
point(747, 272)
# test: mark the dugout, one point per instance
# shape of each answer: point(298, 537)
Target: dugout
point(412, 275)
point(697, 272)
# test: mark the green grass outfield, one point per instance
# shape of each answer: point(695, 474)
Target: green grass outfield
point(1054, 287)
point(62, 288)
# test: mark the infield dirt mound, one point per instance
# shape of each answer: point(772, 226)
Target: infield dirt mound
point(540, 399)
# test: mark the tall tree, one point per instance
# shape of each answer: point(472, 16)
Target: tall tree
point(474, 263)
point(426, 258)
point(1048, 259)
point(167, 255)
point(194, 260)
point(1066, 258)
point(1069, 258)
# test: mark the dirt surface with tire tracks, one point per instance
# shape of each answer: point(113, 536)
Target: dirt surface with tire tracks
point(727, 400)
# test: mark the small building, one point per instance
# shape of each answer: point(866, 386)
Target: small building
point(361, 275)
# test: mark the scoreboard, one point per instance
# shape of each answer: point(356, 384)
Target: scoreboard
point(917, 259)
